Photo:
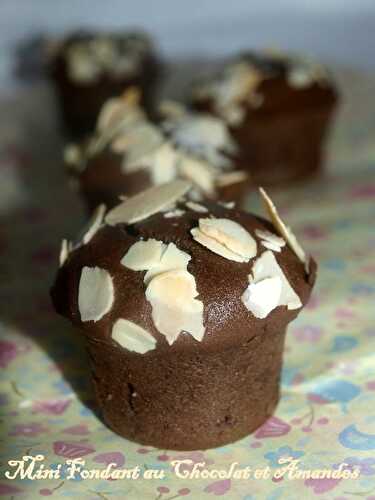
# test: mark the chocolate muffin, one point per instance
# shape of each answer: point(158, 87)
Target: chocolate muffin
point(278, 108)
point(88, 68)
point(128, 153)
point(184, 309)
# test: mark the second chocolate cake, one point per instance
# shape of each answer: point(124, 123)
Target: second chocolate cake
point(128, 153)
point(279, 108)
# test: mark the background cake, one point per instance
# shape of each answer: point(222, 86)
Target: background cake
point(279, 108)
point(128, 153)
point(184, 308)
point(90, 67)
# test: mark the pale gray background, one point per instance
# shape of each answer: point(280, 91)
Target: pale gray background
point(341, 31)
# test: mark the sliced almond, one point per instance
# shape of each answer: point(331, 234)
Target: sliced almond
point(172, 258)
point(95, 293)
point(215, 246)
point(132, 337)
point(66, 248)
point(147, 203)
point(162, 164)
point(177, 212)
point(227, 204)
point(144, 255)
point(95, 223)
point(174, 306)
point(262, 297)
point(229, 178)
point(284, 230)
point(114, 109)
point(198, 172)
point(231, 235)
point(196, 207)
point(265, 267)
point(72, 155)
point(270, 240)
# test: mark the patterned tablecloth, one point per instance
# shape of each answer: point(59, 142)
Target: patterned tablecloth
point(326, 416)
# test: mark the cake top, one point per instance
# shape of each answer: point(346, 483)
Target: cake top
point(194, 146)
point(240, 80)
point(88, 56)
point(160, 271)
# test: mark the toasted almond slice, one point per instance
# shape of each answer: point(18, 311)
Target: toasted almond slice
point(64, 252)
point(229, 178)
point(172, 258)
point(266, 266)
point(132, 337)
point(95, 223)
point(284, 230)
point(196, 207)
point(144, 255)
point(199, 172)
point(147, 203)
point(114, 109)
point(95, 293)
point(215, 246)
point(262, 297)
point(176, 212)
point(174, 306)
point(270, 237)
point(231, 235)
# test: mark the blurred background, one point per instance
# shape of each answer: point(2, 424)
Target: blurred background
point(339, 31)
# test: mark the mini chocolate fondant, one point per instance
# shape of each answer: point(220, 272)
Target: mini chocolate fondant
point(127, 153)
point(184, 308)
point(89, 68)
point(278, 108)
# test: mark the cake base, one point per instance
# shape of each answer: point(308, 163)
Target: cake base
point(188, 400)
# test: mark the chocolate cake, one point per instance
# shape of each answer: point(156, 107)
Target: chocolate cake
point(184, 308)
point(128, 153)
point(88, 68)
point(278, 107)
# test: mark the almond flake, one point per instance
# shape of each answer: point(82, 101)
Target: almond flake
point(115, 108)
point(132, 337)
point(270, 240)
point(199, 172)
point(231, 178)
point(215, 246)
point(265, 267)
point(284, 230)
point(262, 297)
point(177, 212)
point(95, 294)
point(144, 255)
point(227, 204)
point(95, 223)
point(147, 203)
point(231, 235)
point(174, 306)
point(172, 258)
point(196, 207)
point(66, 248)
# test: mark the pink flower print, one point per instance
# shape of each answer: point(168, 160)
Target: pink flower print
point(73, 449)
point(364, 191)
point(219, 487)
point(8, 352)
point(274, 427)
point(8, 489)
point(80, 429)
point(308, 333)
point(32, 429)
point(113, 457)
point(322, 485)
point(51, 407)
